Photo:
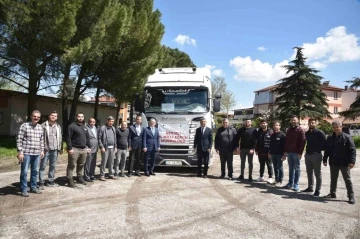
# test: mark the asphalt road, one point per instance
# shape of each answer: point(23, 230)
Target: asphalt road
point(175, 204)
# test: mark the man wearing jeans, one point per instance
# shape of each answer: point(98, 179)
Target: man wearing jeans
point(340, 149)
point(294, 147)
point(53, 146)
point(30, 147)
point(78, 147)
point(277, 143)
point(315, 142)
point(122, 137)
point(247, 136)
point(107, 144)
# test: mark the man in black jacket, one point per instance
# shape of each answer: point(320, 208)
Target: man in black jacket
point(203, 145)
point(247, 136)
point(78, 146)
point(262, 150)
point(340, 149)
point(315, 140)
point(277, 144)
point(225, 144)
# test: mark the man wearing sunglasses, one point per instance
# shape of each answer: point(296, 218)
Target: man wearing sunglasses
point(30, 147)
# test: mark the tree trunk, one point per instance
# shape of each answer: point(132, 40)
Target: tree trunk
point(64, 101)
point(117, 115)
point(32, 96)
point(96, 108)
point(132, 114)
point(75, 99)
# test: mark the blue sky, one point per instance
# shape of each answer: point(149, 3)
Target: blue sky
point(247, 41)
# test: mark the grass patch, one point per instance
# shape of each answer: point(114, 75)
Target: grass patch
point(357, 142)
point(8, 147)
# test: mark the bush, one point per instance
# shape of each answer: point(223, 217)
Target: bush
point(325, 127)
point(357, 141)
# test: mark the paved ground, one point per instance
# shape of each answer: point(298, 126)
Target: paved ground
point(176, 204)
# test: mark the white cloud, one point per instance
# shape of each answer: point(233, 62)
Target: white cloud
point(215, 71)
point(318, 65)
point(184, 39)
point(261, 48)
point(255, 70)
point(336, 46)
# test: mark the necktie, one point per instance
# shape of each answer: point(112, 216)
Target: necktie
point(153, 130)
point(203, 130)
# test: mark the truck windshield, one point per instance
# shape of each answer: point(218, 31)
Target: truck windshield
point(175, 100)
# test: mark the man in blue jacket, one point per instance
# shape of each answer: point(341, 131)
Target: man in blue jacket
point(151, 144)
point(340, 149)
point(203, 145)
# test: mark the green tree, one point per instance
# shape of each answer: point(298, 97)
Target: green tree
point(300, 93)
point(175, 58)
point(354, 111)
point(32, 34)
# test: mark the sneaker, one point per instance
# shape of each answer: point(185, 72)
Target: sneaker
point(289, 186)
point(352, 200)
point(41, 186)
point(52, 184)
point(36, 191)
point(308, 190)
point(296, 188)
point(116, 176)
point(250, 179)
point(102, 178)
point(81, 180)
point(330, 195)
point(271, 181)
point(241, 177)
point(24, 194)
point(122, 174)
point(316, 193)
point(230, 178)
point(112, 177)
point(92, 178)
point(278, 184)
point(71, 183)
point(260, 179)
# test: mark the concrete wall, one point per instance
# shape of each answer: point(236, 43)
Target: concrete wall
point(15, 112)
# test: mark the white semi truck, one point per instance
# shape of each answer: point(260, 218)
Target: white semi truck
point(178, 98)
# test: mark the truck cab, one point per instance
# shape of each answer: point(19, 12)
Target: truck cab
point(177, 98)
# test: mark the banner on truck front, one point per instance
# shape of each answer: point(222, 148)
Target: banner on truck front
point(173, 133)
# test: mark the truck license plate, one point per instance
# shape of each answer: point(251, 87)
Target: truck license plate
point(173, 162)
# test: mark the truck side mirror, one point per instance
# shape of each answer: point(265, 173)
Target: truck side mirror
point(216, 105)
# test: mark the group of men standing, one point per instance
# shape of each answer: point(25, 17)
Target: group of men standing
point(41, 144)
point(274, 146)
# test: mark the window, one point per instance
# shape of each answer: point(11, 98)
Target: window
point(335, 95)
point(335, 110)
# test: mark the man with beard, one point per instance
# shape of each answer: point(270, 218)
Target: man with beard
point(341, 151)
point(78, 147)
point(294, 147)
point(247, 136)
point(225, 144)
point(122, 137)
point(277, 142)
point(108, 147)
point(30, 147)
point(262, 150)
point(135, 145)
point(90, 164)
point(315, 143)
point(53, 146)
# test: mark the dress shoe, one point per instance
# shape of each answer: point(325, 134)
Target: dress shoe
point(147, 174)
point(152, 173)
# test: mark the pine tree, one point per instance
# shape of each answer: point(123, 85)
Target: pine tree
point(300, 93)
point(354, 111)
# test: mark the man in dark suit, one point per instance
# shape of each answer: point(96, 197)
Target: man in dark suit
point(136, 132)
point(90, 163)
point(151, 144)
point(203, 145)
